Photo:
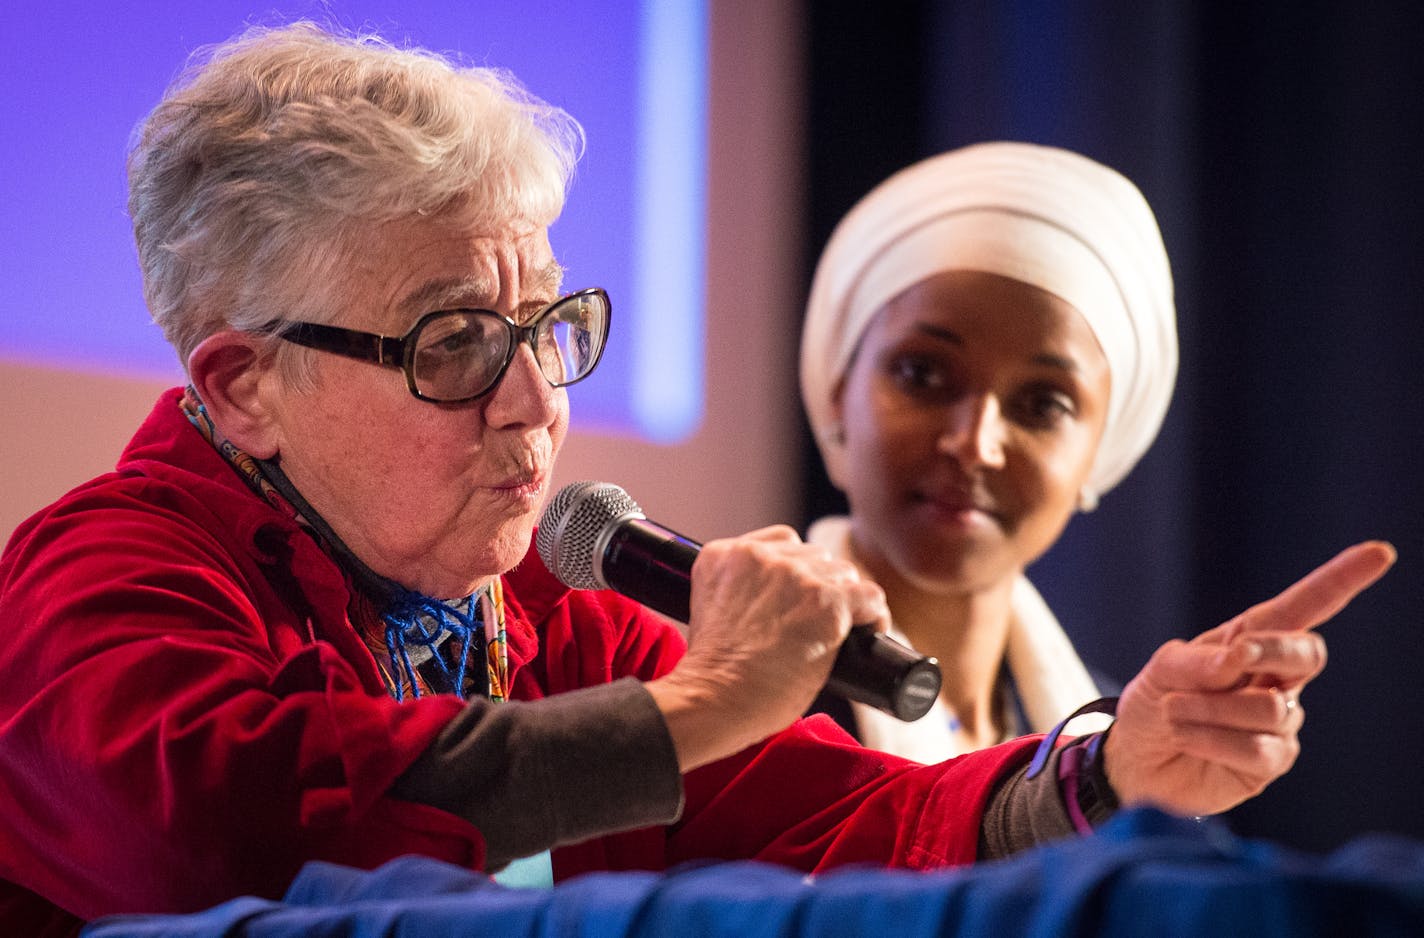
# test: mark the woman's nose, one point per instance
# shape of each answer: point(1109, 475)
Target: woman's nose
point(975, 432)
point(523, 396)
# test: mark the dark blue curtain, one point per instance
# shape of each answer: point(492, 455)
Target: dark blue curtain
point(1277, 144)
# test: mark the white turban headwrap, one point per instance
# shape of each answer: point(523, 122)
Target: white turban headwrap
point(1040, 215)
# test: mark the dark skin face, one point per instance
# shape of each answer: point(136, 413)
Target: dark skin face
point(973, 410)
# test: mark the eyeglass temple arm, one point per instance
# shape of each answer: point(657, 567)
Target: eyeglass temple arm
point(364, 346)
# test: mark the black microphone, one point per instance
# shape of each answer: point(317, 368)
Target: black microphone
point(593, 535)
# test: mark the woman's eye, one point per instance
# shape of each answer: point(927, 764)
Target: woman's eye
point(1046, 407)
point(917, 374)
point(447, 346)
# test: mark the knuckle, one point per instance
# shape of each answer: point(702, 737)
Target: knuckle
point(1265, 749)
point(1319, 650)
point(1277, 751)
point(781, 532)
point(1168, 650)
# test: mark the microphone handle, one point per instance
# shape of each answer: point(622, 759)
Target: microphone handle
point(885, 674)
point(649, 563)
point(653, 565)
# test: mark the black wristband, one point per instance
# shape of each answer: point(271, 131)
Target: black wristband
point(1096, 798)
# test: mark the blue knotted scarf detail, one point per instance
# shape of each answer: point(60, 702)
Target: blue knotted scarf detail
point(416, 629)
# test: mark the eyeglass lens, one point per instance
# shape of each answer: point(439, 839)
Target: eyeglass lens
point(462, 353)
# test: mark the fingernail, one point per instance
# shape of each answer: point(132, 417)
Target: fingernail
point(1253, 652)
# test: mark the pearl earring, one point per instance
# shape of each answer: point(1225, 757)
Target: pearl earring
point(1087, 499)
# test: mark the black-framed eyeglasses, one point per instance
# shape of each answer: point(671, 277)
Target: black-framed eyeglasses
point(456, 355)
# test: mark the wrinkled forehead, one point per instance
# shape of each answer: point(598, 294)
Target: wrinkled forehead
point(504, 288)
point(406, 269)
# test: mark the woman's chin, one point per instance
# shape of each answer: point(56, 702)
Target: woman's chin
point(458, 569)
point(959, 566)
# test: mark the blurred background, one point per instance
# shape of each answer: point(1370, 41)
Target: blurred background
point(1276, 142)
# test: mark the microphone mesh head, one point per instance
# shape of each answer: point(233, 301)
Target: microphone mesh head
point(570, 527)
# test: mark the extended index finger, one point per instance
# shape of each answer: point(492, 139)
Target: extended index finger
point(1322, 592)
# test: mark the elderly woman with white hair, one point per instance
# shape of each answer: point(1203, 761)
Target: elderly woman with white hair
point(301, 620)
point(990, 345)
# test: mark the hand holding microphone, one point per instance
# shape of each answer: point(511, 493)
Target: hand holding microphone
point(594, 536)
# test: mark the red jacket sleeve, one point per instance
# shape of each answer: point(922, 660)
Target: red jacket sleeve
point(813, 798)
point(810, 797)
point(172, 733)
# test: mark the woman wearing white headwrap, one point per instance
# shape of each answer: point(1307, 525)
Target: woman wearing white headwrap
point(990, 344)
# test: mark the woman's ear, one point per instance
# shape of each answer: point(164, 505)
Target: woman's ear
point(831, 438)
point(232, 374)
point(835, 431)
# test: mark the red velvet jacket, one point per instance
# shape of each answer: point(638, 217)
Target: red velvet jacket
point(186, 715)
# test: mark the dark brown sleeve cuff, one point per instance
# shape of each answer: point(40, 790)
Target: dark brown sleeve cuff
point(1023, 812)
point(1028, 808)
point(535, 775)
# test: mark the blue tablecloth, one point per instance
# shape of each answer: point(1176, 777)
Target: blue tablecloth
point(1144, 873)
